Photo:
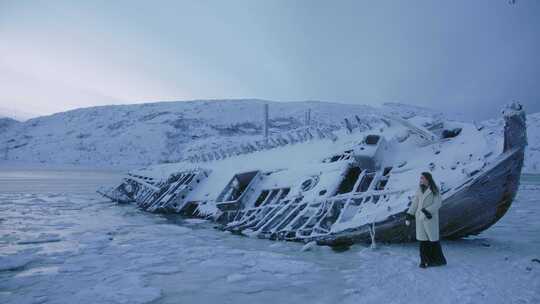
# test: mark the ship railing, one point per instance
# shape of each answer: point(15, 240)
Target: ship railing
point(282, 139)
point(307, 133)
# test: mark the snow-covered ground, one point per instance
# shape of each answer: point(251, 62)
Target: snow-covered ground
point(68, 245)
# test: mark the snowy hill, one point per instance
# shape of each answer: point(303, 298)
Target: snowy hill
point(157, 132)
point(6, 122)
point(132, 135)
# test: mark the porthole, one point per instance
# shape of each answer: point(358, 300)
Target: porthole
point(322, 192)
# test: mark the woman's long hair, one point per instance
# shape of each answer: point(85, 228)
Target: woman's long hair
point(432, 185)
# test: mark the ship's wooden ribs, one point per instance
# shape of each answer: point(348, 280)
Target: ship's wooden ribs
point(259, 215)
point(267, 207)
point(299, 220)
point(258, 222)
point(254, 216)
point(268, 211)
point(167, 192)
point(303, 217)
point(250, 221)
point(288, 218)
point(307, 227)
point(148, 195)
point(163, 200)
point(282, 216)
point(317, 226)
point(269, 215)
point(177, 199)
point(273, 216)
point(250, 218)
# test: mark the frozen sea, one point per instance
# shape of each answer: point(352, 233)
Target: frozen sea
point(62, 243)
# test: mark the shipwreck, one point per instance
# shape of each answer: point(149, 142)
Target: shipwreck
point(342, 186)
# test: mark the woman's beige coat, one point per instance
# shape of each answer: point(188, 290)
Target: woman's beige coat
point(426, 229)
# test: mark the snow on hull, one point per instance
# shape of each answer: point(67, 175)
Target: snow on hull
point(354, 187)
point(479, 204)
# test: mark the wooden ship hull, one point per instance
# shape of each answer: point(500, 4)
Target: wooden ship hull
point(478, 204)
point(357, 194)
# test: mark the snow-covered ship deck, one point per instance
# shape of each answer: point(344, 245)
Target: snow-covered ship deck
point(349, 187)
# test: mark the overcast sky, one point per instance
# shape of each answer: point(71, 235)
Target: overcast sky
point(467, 56)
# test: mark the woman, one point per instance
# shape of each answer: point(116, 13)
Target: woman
point(425, 209)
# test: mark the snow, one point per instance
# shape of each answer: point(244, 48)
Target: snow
point(107, 253)
point(144, 134)
point(62, 243)
point(152, 133)
point(532, 152)
point(42, 238)
point(15, 262)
